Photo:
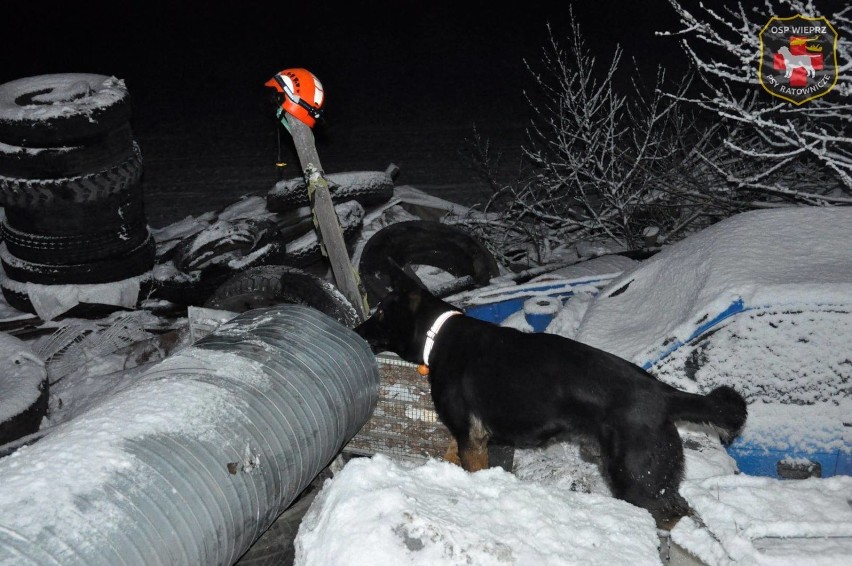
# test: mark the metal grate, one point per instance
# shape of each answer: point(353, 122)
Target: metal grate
point(404, 423)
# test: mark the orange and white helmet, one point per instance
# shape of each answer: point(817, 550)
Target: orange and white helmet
point(302, 94)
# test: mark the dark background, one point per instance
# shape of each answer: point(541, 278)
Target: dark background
point(406, 82)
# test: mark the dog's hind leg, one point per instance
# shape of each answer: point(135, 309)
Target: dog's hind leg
point(645, 468)
point(473, 447)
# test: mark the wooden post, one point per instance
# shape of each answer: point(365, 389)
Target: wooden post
point(325, 219)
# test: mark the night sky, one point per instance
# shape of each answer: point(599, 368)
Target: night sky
point(405, 82)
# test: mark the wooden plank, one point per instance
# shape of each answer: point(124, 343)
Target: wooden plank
point(325, 219)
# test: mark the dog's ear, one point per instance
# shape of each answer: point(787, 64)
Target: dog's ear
point(403, 278)
point(399, 279)
point(395, 268)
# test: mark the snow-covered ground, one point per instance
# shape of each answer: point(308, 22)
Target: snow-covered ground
point(554, 508)
point(425, 515)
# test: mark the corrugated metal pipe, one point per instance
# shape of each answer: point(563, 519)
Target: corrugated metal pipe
point(195, 459)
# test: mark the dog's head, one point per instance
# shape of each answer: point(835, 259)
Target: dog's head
point(400, 321)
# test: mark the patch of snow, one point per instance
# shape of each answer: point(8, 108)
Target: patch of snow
point(61, 94)
point(756, 520)
point(377, 511)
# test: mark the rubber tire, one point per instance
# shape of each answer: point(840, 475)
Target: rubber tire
point(39, 194)
point(16, 299)
point(87, 106)
point(195, 287)
point(111, 212)
point(350, 217)
point(200, 285)
point(270, 285)
point(369, 188)
point(309, 255)
point(117, 268)
point(423, 242)
point(27, 421)
point(75, 248)
point(95, 154)
point(248, 236)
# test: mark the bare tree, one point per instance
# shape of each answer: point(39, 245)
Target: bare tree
point(601, 161)
point(771, 152)
point(666, 158)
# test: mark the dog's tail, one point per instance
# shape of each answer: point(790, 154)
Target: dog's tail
point(723, 408)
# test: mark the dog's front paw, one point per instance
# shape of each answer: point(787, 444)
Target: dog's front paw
point(474, 460)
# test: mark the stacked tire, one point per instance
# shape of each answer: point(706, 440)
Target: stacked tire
point(369, 188)
point(70, 185)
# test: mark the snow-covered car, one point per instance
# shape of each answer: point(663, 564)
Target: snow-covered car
point(761, 301)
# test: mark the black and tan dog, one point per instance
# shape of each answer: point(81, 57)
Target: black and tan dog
point(494, 383)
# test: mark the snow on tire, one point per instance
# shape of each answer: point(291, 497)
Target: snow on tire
point(94, 155)
point(75, 247)
point(367, 187)
point(52, 110)
point(270, 285)
point(204, 260)
point(224, 242)
point(116, 268)
point(34, 194)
